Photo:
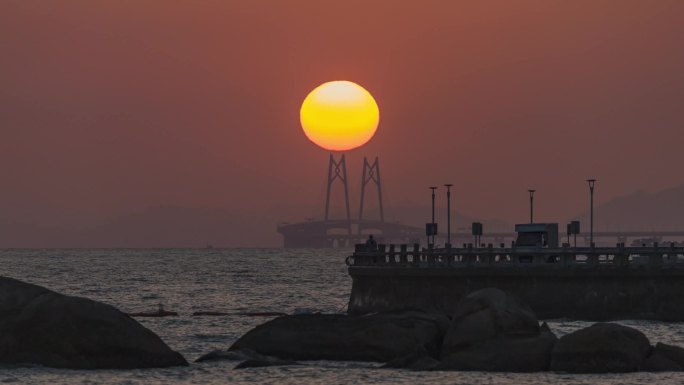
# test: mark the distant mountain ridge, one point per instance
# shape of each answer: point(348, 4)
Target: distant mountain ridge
point(661, 210)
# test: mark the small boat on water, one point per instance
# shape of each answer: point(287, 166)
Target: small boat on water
point(160, 312)
point(244, 314)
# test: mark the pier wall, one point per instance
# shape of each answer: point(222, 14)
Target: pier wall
point(578, 292)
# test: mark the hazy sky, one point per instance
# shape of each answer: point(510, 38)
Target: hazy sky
point(111, 107)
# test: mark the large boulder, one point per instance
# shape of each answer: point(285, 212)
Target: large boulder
point(506, 353)
point(664, 358)
point(493, 330)
point(416, 362)
point(659, 363)
point(601, 348)
point(485, 314)
point(39, 326)
point(264, 362)
point(230, 355)
point(380, 337)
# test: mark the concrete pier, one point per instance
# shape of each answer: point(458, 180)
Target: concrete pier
point(580, 283)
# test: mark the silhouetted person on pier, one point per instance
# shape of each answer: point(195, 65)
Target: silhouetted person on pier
point(371, 244)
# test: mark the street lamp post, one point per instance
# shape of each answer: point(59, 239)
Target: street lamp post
point(531, 205)
point(433, 188)
point(448, 186)
point(591, 211)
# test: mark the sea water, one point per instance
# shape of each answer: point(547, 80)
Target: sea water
point(244, 281)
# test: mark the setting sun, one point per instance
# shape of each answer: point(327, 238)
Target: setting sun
point(339, 115)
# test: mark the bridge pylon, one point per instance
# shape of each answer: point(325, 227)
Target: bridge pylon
point(371, 174)
point(337, 170)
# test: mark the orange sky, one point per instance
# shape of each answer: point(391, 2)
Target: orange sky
point(111, 107)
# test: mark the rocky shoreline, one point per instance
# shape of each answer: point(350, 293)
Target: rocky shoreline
point(491, 330)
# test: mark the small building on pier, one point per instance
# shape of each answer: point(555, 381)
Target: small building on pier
point(537, 234)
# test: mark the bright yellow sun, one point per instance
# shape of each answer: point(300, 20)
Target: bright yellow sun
point(339, 115)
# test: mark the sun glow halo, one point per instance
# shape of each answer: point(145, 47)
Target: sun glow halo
point(339, 115)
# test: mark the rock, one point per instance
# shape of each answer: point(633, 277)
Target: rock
point(417, 362)
point(600, 348)
point(485, 314)
point(674, 353)
point(262, 362)
point(39, 326)
point(664, 358)
point(493, 330)
point(230, 355)
point(404, 362)
point(379, 337)
point(505, 353)
point(657, 362)
point(423, 363)
point(249, 358)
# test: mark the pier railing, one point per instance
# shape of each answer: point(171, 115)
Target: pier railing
point(490, 256)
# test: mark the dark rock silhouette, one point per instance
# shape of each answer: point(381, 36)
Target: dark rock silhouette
point(487, 313)
point(664, 358)
point(491, 330)
point(659, 363)
point(522, 353)
point(39, 326)
point(249, 358)
point(262, 362)
point(601, 348)
point(375, 337)
point(494, 331)
point(417, 361)
point(230, 355)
